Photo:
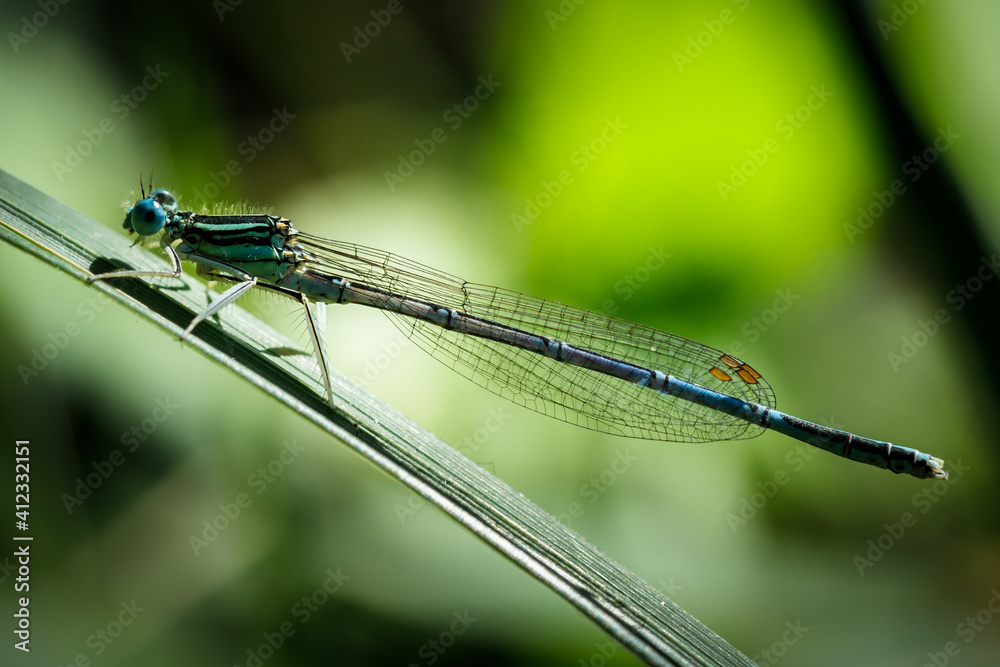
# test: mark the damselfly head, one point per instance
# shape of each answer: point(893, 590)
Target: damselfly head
point(148, 215)
point(145, 218)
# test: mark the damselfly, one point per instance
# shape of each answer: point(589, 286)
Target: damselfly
point(582, 367)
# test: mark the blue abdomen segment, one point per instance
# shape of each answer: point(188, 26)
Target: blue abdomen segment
point(901, 460)
point(730, 405)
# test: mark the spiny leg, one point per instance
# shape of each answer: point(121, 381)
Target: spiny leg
point(317, 341)
point(226, 298)
point(168, 250)
point(211, 277)
point(215, 269)
point(315, 327)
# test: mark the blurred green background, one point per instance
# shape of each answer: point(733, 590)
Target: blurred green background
point(704, 168)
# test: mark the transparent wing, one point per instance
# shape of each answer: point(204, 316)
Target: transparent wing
point(570, 393)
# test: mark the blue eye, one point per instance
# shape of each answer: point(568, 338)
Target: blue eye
point(147, 217)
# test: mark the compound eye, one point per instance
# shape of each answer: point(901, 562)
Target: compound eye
point(147, 217)
point(166, 199)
